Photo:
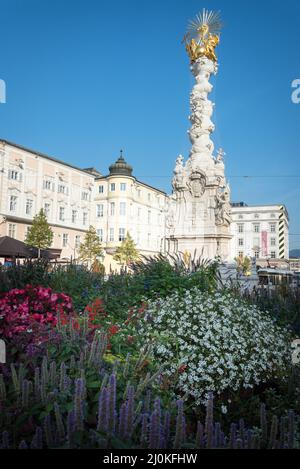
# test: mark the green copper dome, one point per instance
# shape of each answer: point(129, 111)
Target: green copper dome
point(120, 167)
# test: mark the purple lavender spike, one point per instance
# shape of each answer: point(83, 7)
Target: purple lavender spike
point(129, 414)
point(111, 411)
point(154, 437)
point(102, 423)
point(217, 442)
point(71, 423)
point(199, 435)
point(180, 426)
point(48, 431)
point(122, 423)
point(144, 431)
point(273, 432)
point(232, 440)
point(167, 427)
point(291, 429)
point(5, 440)
point(37, 440)
point(78, 404)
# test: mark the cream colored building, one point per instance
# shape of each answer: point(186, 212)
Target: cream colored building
point(260, 231)
point(74, 198)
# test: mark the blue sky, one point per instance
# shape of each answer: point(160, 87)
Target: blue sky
point(87, 77)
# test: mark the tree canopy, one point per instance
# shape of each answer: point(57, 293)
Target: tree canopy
point(127, 252)
point(39, 235)
point(90, 249)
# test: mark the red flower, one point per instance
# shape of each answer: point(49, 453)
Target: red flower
point(113, 329)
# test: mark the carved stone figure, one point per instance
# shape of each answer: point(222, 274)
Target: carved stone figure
point(178, 181)
point(170, 212)
point(222, 209)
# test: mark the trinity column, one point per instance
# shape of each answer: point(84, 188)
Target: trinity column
point(198, 211)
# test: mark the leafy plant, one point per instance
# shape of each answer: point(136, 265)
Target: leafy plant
point(127, 252)
point(91, 248)
point(39, 235)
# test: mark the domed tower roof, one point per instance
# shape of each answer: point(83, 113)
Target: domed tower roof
point(120, 167)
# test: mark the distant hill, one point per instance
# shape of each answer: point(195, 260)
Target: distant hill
point(295, 253)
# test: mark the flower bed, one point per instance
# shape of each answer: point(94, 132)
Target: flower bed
point(31, 309)
point(214, 342)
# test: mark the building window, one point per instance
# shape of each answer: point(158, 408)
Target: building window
point(112, 208)
point(84, 218)
point(84, 196)
point(77, 241)
point(74, 216)
point(12, 174)
point(121, 234)
point(100, 210)
point(111, 234)
point(62, 189)
point(240, 217)
point(13, 203)
point(139, 193)
point(273, 227)
point(273, 255)
point(256, 215)
point(123, 186)
point(256, 242)
point(241, 242)
point(272, 215)
point(256, 254)
point(101, 189)
point(29, 205)
point(65, 240)
point(149, 216)
point(149, 197)
point(273, 241)
point(47, 184)
point(112, 187)
point(47, 209)
point(122, 208)
point(100, 234)
point(256, 228)
point(240, 228)
point(241, 253)
point(148, 239)
point(62, 213)
point(12, 230)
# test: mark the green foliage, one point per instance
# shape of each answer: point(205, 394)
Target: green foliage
point(127, 251)
point(91, 247)
point(32, 271)
point(243, 264)
point(39, 234)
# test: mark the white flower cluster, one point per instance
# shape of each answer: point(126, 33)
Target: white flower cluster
point(214, 342)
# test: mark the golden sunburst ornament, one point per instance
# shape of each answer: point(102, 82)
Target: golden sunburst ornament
point(204, 33)
point(205, 23)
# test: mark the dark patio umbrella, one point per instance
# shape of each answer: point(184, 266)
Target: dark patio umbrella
point(10, 247)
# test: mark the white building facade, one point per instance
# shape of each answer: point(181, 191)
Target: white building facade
point(260, 231)
point(74, 199)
